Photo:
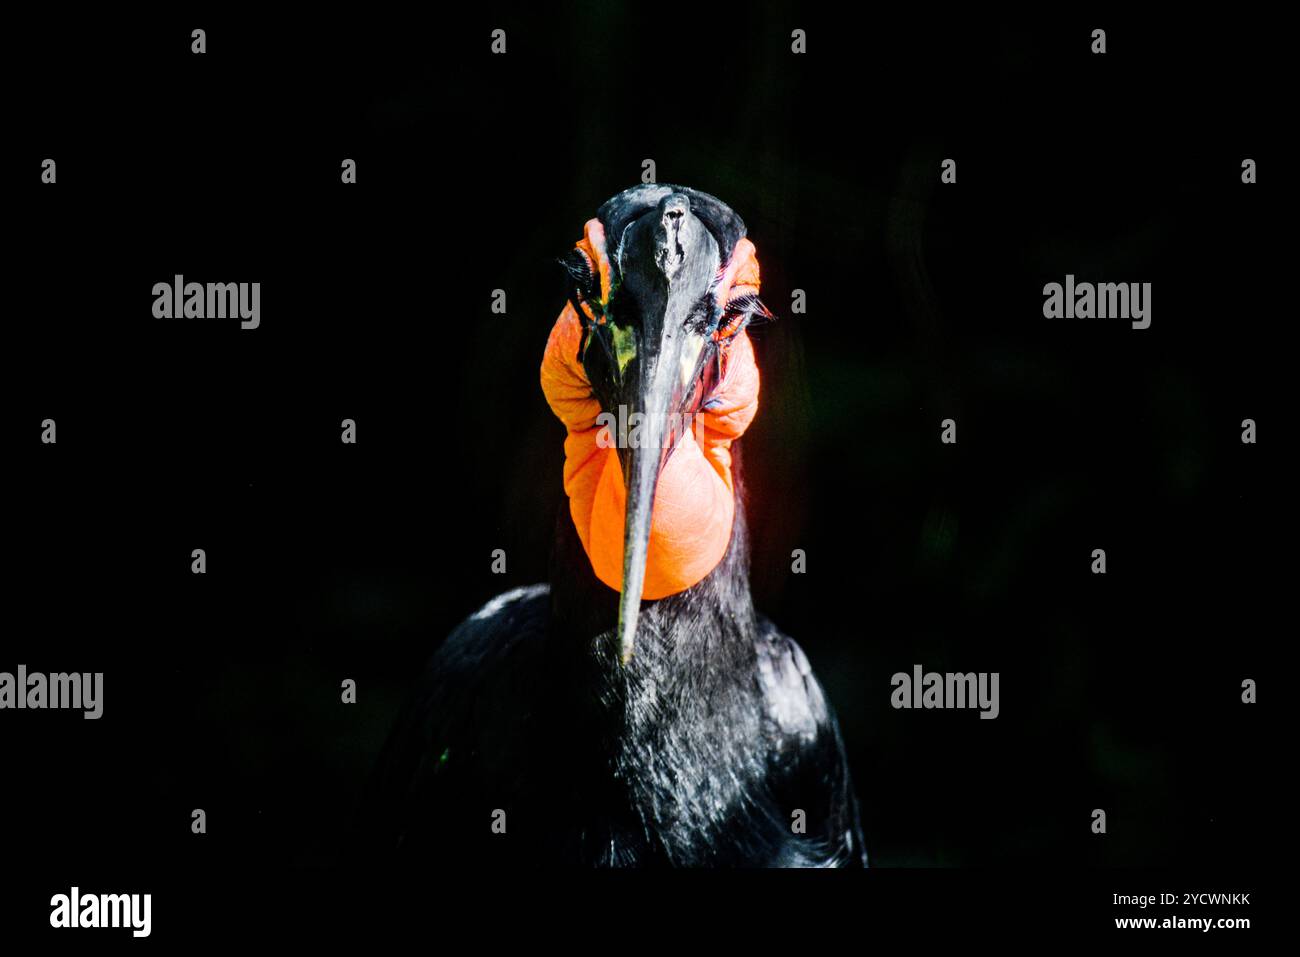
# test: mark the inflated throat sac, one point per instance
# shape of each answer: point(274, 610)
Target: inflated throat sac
point(695, 502)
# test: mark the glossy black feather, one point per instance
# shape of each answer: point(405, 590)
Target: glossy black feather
point(699, 753)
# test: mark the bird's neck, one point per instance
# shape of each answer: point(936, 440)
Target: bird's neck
point(668, 722)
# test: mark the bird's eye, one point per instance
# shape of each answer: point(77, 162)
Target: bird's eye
point(740, 312)
point(732, 322)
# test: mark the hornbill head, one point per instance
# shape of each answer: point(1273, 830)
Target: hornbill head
point(657, 315)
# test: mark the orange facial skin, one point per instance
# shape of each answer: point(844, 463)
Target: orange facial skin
point(694, 504)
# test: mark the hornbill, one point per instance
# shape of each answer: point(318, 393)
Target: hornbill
point(637, 711)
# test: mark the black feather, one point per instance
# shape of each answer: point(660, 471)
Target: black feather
point(699, 753)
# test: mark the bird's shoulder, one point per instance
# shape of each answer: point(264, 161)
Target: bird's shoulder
point(462, 725)
point(808, 767)
point(793, 697)
point(481, 674)
point(512, 619)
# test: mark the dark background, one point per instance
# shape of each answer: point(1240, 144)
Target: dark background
point(475, 171)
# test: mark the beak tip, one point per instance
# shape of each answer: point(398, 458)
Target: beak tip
point(626, 641)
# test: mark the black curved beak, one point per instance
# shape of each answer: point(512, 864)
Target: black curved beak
point(669, 262)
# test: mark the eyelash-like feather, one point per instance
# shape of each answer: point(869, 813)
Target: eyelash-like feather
point(741, 312)
point(582, 274)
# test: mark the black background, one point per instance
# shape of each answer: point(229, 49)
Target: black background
point(475, 171)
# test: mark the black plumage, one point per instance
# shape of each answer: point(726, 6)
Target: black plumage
point(713, 745)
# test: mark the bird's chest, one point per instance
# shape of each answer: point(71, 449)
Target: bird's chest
point(688, 767)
